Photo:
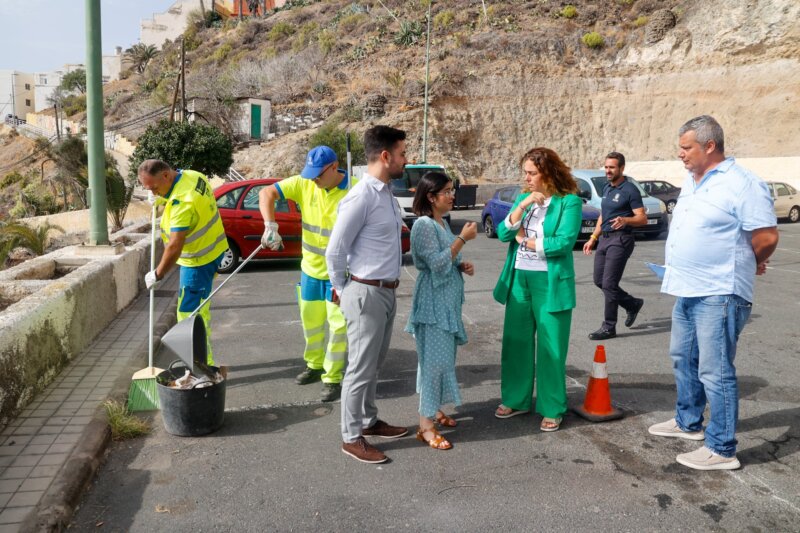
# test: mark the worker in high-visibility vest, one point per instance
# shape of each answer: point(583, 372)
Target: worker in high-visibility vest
point(317, 190)
point(192, 233)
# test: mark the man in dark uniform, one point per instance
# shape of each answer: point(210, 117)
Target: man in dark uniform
point(621, 210)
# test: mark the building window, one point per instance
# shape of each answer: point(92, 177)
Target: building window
point(27, 86)
point(42, 80)
point(27, 103)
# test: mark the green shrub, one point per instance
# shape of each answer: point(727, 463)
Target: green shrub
point(326, 40)
point(351, 22)
point(191, 40)
point(222, 52)
point(593, 40)
point(124, 425)
point(444, 19)
point(305, 35)
point(409, 33)
point(12, 178)
point(641, 21)
point(569, 12)
point(184, 145)
point(330, 134)
point(74, 104)
point(280, 31)
point(356, 53)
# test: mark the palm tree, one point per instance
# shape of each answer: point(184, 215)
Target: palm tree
point(140, 55)
point(35, 239)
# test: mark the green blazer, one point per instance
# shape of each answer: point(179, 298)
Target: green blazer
point(561, 226)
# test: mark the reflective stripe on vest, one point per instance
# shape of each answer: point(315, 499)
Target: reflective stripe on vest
point(202, 231)
point(313, 249)
point(204, 251)
point(316, 229)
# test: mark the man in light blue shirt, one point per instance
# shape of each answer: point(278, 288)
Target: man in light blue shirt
point(722, 234)
point(364, 258)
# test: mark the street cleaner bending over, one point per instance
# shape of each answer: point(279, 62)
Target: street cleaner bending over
point(192, 232)
point(317, 190)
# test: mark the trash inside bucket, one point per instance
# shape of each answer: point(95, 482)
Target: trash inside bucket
point(187, 341)
point(190, 412)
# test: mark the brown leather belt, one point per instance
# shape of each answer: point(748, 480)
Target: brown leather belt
point(377, 282)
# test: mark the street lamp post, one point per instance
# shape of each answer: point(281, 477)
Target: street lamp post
point(98, 228)
point(427, 82)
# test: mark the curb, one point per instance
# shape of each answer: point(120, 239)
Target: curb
point(55, 509)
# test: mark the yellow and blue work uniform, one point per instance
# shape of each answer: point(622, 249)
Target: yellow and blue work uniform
point(314, 292)
point(191, 207)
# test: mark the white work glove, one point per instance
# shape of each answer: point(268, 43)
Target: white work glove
point(271, 238)
point(152, 199)
point(150, 280)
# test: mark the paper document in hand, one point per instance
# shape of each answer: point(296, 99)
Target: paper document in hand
point(658, 270)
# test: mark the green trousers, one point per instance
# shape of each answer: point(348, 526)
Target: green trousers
point(535, 344)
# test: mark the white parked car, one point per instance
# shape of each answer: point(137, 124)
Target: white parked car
point(787, 200)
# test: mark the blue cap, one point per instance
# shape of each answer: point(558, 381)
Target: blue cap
point(317, 159)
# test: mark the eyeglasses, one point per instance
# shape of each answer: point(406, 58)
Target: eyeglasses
point(448, 192)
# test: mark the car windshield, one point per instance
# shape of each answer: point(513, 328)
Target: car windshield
point(600, 182)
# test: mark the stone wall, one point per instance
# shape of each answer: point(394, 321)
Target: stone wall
point(52, 307)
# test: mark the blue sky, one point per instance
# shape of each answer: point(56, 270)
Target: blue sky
point(43, 35)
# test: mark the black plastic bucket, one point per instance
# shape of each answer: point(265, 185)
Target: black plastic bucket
point(190, 412)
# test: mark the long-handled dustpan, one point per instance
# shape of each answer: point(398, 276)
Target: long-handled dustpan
point(143, 392)
point(187, 339)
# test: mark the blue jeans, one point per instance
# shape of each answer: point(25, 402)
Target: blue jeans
point(705, 330)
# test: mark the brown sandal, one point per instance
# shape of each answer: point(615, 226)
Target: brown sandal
point(446, 421)
point(438, 442)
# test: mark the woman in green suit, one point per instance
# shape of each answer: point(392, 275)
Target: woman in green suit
point(537, 286)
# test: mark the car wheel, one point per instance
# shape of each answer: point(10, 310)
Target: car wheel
point(488, 227)
point(230, 259)
point(671, 205)
point(794, 214)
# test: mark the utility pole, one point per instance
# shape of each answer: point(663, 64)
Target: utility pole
point(13, 97)
point(183, 81)
point(98, 229)
point(58, 131)
point(427, 82)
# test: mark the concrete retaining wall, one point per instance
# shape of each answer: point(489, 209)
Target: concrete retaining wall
point(50, 321)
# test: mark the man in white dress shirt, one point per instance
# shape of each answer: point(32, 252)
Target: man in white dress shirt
point(364, 260)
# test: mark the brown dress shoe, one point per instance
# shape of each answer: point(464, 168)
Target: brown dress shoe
point(363, 451)
point(384, 430)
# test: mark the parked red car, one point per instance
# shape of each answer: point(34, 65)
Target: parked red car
point(238, 206)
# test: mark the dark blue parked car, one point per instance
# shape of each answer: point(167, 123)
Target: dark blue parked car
point(497, 209)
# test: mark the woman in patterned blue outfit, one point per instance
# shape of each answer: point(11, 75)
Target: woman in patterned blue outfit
point(435, 319)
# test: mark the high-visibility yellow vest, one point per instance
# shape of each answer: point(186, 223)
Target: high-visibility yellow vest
point(191, 206)
point(318, 209)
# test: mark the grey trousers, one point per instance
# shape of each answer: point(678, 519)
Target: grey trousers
point(369, 312)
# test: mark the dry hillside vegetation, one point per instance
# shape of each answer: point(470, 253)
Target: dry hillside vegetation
point(582, 77)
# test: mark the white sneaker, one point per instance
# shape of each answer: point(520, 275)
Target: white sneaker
point(670, 428)
point(704, 459)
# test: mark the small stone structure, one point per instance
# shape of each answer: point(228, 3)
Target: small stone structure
point(659, 23)
point(374, 106)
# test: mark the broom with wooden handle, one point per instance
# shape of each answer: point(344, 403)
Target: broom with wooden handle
point(143, 392)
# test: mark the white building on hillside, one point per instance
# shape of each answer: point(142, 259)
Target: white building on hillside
point(16, 93)
point(168, 25)
point(46, 83)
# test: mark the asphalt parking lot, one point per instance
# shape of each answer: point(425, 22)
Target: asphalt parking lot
point(276, 464)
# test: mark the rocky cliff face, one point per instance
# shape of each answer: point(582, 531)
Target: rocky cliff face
point(735, 59)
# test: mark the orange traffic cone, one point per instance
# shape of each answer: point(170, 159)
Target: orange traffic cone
point(597, 405)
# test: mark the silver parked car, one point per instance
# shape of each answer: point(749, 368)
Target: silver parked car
point(787, 200)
